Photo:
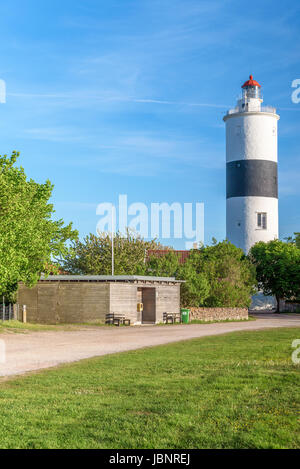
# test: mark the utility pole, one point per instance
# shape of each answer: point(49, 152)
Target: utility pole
point(112, 243)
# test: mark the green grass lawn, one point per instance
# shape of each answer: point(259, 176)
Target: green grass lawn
point(20, 327)
point(239, 390)
point(17, 326)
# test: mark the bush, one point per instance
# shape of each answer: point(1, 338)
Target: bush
point(278, 268)
point(218, 276)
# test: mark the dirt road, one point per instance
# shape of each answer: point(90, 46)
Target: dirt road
point(36, 350)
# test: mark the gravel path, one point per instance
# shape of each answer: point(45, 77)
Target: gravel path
point(36, 350)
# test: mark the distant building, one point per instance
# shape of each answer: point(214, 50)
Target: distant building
point(182, 254)
point(90, 298)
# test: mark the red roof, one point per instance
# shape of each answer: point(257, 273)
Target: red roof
point(251, 82)
point(182, 254)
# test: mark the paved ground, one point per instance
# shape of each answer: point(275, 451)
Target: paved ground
point(36, 350)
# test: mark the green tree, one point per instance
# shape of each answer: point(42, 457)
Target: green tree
point(196, 288)
point(166, 265)
point(278, 268)
point(29, 238)
point(231, 276)
point(294, 240)
point(226, 277)
point(93, 255)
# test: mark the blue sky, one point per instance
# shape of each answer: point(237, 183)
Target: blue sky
point(127, 97)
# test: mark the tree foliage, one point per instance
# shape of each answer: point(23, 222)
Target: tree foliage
point(218, 276)
point(93, 255)
point(29, 238)
point(166, 265)
point(196, 288)
point(294, 239)
point(278, 268)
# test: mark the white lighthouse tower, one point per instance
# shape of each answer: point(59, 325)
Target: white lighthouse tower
point(251, 169)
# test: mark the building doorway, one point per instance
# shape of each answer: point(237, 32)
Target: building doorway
point(149, 303)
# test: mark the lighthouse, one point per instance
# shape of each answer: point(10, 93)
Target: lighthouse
point(251, 169)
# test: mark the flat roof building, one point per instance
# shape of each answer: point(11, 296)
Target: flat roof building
point(89, 298)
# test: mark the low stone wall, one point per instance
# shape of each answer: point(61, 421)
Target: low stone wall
point(218, 314)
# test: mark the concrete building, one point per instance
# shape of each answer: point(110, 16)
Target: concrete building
point(251, 170)
point(79, 299)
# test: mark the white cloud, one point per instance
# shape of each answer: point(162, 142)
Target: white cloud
point(82, 98)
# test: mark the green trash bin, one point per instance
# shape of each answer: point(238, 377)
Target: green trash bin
point(185, 315)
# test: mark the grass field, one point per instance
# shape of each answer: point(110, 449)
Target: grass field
point(20, 327)
point(239, 390)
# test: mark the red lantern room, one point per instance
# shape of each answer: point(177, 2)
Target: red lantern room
point(251, 89)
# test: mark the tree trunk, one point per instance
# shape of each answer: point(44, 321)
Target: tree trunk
point(277, 299)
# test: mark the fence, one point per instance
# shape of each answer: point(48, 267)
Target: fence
point(9, 311)
point(236, 110)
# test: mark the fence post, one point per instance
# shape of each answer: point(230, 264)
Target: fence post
point(15, 312)
point(24, 314)
point(3, 309)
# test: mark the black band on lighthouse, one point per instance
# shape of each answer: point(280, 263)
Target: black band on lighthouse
point(252, 178)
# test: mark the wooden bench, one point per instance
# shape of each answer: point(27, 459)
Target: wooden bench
point(172, 318)
point(116, 319)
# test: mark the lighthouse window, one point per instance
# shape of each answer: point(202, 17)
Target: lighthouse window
point(262, 220)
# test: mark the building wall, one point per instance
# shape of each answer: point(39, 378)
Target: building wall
point(77, 302)
point(82, 302)
point(252, 137)
point(241, 220)
point(167, 300)
point(65, 302)
point(123, 300)
point(28, 297)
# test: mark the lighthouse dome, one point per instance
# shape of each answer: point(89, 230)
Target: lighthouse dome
point(251, 89)
point(251, 82)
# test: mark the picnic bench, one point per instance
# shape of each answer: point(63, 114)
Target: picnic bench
point(172, 318)
point(116, 319)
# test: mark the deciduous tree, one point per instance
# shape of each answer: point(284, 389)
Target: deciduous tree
point(166, 265)
point(219, 275)
point(29, 237)
point(93, 255)
point(278, 268)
